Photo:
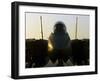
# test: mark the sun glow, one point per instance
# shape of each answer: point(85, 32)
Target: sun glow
point(50, 47)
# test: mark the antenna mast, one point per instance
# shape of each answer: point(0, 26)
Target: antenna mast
point(41, 27)
point(76, 28)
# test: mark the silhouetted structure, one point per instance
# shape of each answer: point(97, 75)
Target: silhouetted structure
point(41, 27)
point(80, 52)
point(61, 43)
point(76, 27)
point(36, 53)
point(38, 56)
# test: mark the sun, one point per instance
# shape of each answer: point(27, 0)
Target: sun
point(50, 47)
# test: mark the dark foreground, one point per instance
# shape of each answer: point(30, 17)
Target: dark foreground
point(37, 54)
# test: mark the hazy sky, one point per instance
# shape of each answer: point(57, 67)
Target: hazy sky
point(33, 25)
